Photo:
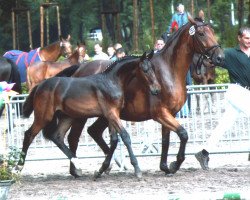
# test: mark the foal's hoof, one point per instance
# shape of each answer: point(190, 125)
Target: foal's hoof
point(173, 167)
point(107, 171)
point(138, 174)
point(76, 173)
point(97, 175)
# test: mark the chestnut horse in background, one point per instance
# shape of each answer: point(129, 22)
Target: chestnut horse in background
point(171, 67)
point(100, 95)
point(203, 73)
point(41, 70)
point(48, 53)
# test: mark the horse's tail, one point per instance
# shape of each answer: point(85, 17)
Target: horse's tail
point(50, 127)
point(15, 77)
point(67, 72)
point(28, 104)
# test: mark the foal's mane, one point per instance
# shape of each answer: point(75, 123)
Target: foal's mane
point(123, 59)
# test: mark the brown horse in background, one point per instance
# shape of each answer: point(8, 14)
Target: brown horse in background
point(39, 71)
point(100, 95)
point(48, 53)
point(203, 73)
point(171, 67)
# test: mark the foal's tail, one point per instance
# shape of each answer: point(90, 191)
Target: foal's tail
point(67, 72)
point(28, 104)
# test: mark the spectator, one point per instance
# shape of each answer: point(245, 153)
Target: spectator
point(159, 44)
point(117, 46)
point(179, 19)
point(120, 53)
point(237, 62)
point(99, 54)
point(111, 52)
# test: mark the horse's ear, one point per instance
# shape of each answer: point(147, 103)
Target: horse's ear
point(68, 37)
point(150, 55)
point(201, 15)
point(60, 38)
point(190, 19)
point(143, 57)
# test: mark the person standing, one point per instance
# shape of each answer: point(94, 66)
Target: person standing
point(99, 54)
point(237, 62)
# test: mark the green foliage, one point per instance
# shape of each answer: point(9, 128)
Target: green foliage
point(221, 76)
point(8, 162)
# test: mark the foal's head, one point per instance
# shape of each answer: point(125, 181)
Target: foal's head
point(147, 72)
point(66, 47)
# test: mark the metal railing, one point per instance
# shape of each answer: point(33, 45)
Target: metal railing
point(145, 136)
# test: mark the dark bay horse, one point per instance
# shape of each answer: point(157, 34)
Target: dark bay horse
point(171, 67)
point(49, 53)
point(9, 73)
point(203, 73)
point(41, 70)
point(70, 99)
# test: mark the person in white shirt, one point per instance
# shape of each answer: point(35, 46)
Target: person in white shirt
point(99, 54)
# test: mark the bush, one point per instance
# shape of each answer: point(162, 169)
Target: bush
point(221, 76)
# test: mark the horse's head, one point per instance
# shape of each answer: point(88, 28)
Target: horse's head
point(147, 72)
point(66, 47)
point(204, 41)
point(81, 48)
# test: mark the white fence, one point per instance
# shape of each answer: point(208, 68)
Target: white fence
point(145, 136)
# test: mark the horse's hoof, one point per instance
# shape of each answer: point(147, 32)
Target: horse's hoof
point(76, 173)
point(173, 167)
point(138, 175)
point(169, 175)
point(97, 175)
point(107, 171)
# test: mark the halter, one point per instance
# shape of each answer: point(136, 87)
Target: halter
point(205, 51)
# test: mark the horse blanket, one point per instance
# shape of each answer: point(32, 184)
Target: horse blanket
point(23, 60)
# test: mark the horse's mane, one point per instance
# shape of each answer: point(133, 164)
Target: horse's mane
point(113, 64)
point(180, 30)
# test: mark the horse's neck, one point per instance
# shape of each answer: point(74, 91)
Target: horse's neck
point(51, 52)
point(177, 61)
point(124, 72)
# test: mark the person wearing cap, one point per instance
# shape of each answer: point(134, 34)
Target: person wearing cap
point(178, 19)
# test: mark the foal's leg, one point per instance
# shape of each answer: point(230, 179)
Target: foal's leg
point(96, 131)
point(73, 139)
point(58, 138)
point(113, 145)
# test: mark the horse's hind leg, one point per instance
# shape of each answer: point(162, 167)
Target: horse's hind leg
point(73, 139)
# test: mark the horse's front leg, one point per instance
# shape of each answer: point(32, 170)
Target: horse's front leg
point(171, 124)
point(165, 148)
point(127, 141)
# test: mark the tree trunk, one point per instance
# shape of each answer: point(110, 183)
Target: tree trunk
point(240, 11)
point(208, 11)
point(152, 19)
point(135, 25)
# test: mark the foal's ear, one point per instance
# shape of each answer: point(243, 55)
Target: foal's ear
point(143, 57)
point(68, 38)
point(150, 55)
